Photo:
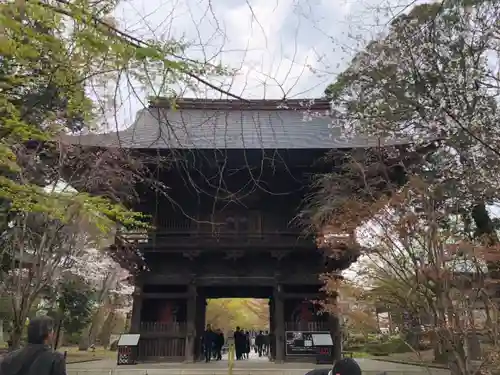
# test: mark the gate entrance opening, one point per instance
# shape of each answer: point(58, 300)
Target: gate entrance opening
point(172, 318)
point(250, 315)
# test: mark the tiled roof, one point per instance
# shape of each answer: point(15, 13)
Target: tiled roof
point(223, 124)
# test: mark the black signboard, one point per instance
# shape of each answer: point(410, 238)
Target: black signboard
point(301, 343)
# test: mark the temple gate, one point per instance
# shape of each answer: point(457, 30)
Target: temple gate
point(237, 175)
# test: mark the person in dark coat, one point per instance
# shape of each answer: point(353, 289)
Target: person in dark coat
point(219, 343)
point(238, 342)
point(208, 342)
point(266, 343)
point(36, 358)
point(247, 344)
point(259, 343)
point(346, 366)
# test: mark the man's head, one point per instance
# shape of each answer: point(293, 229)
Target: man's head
point(237, 328)
point(41, 330)
point(346, 366)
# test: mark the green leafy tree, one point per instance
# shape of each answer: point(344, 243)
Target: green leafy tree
point(43, 250)
point(247, 313)
point(50, 53)
point(74, 306)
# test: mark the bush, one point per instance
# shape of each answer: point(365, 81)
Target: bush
point(390, 347)
point(72, 339)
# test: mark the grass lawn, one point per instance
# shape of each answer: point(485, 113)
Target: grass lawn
point(425, 356)
point(361, 355)
point(74, 355)
point(422, 358)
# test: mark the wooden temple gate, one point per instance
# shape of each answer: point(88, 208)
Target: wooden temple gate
point(237, 176)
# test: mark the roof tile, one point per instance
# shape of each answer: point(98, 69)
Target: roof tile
point(245, 128)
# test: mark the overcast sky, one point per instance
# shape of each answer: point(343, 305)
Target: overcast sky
point(291, 48)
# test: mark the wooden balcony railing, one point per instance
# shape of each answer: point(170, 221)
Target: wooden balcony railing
point(185, 239)
point(306, 326)
point(159, 327)
point(164, 347)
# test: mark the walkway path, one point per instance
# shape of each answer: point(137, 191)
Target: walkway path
point(254, 366)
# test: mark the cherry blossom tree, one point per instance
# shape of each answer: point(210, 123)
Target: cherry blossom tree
point(425, 262)
point(110, 282)
point(42, 250)
point(434, 75)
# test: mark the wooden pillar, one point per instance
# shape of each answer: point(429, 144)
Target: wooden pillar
point(336, 336)
point(191, 323)
point(335, 327)
point(135, 320)
point(279, 324)
point(200, 325)
point(272, 341)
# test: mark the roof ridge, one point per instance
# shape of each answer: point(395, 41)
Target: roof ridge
point(313, 104)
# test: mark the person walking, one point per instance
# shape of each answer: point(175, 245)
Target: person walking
point(37, 357)
point(208, 343)
point(247, 344)
point(259, 343)
point(266, 342)
point(238, 343)
point(219, 343)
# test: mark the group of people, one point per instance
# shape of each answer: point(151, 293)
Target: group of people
point(244, 342)
point(262, 343)
point(212, 343)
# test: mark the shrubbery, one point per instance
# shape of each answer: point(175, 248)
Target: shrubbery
point(379, 345)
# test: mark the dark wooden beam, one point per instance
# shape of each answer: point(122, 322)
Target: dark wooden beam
point(164, 295)
point(162, 279)
point(305, 296)
point(235, 281)
point(154, 335)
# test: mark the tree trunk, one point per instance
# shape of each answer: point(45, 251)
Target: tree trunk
point(439, 348)
point(107, 329)
point(336, 334)
point(412, 335)
point(84, 343)
point(88, 336)
point(58, 332)
point(474, 346)
point(16, 334)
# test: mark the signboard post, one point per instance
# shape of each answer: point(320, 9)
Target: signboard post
point(323, 344)
point(231, 358)
point(307, 343)
point(128, 349)
point(299, 343)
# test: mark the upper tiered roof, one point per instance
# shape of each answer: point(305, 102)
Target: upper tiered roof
point(232, 124)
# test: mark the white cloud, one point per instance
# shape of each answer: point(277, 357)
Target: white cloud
point(279, 47)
